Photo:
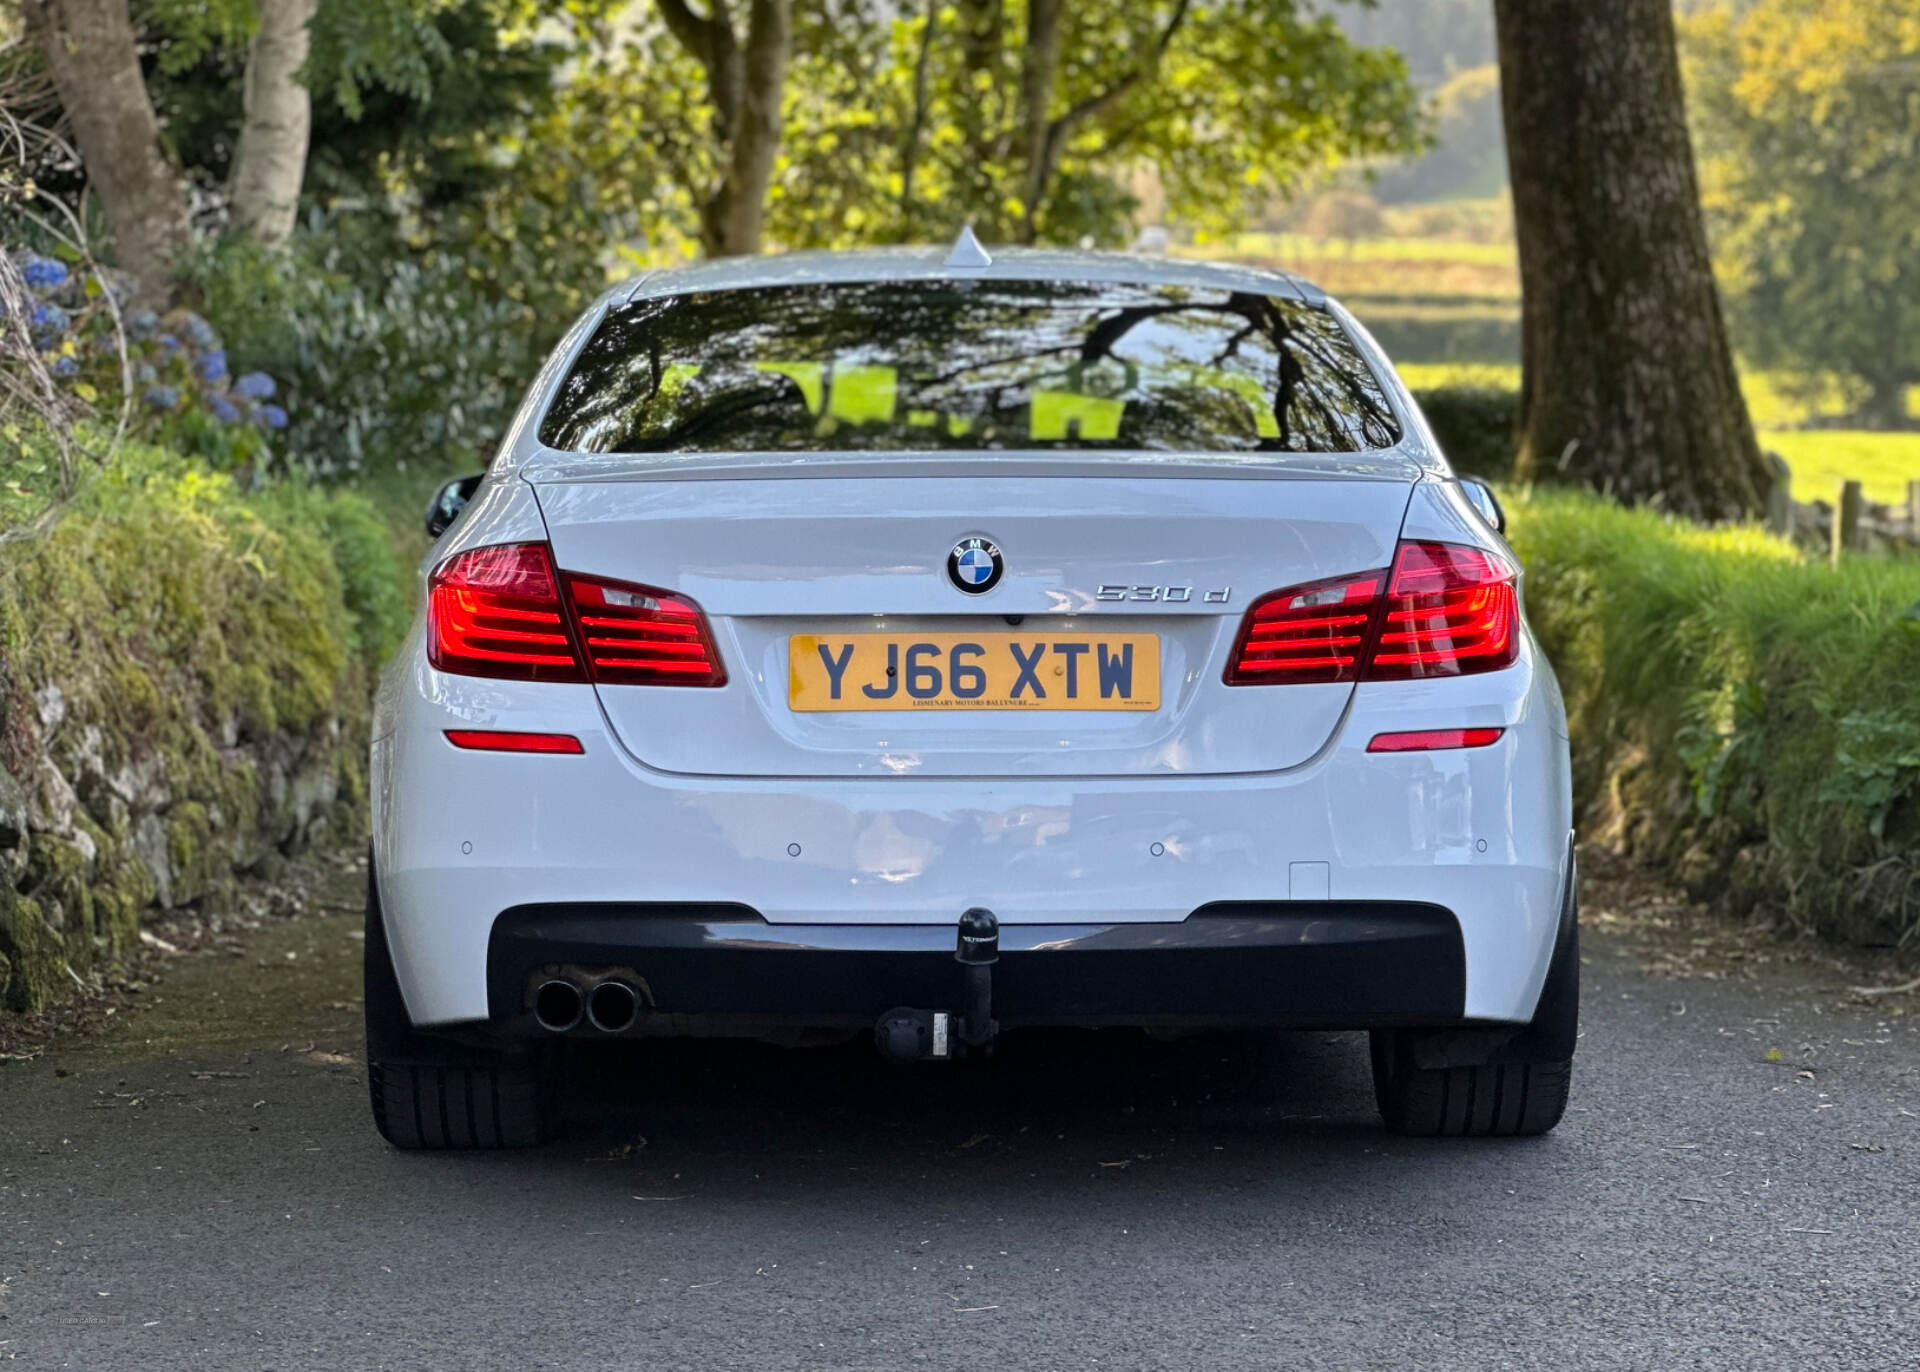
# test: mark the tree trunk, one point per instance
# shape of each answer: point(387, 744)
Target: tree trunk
point(1038, 64)
point(747, 86)
point(916, 126)
point(756, 135)
point(96, 70)
point(272, 157)
point(1627, 381)
point(1886, 403)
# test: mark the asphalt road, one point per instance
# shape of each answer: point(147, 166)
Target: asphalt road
point(200, 1186)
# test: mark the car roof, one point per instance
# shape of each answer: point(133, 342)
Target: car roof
point(933, 263)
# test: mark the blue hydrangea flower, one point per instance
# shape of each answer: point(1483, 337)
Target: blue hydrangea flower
point(143, 324)
point(44, 273)
point(272, 416)
point(225, 410)
point(255, 386)
point(212, 366)
point(168, 343)
point(162, 398)
point(146, 374)
point(47, 324)
point(199, 332)
point(64, 366)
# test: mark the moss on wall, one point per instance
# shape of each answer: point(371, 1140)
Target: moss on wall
point(185, 670)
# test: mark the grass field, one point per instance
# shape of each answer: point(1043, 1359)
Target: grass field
point(1822, 458)
point(1449, 314)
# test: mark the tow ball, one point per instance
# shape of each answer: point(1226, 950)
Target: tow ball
point(905, 1034)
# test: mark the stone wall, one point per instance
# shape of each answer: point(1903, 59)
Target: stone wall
point(185, 673)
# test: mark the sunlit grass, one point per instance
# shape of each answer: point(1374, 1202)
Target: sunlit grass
point(1431, 376)
point(1300, 247)
point(1822, 458)
point(1424, 267)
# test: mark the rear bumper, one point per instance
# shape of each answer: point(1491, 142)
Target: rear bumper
point(463, 839)
point(722, 969)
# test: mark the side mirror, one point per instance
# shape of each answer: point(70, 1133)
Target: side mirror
point(448, 501)
point(1485, 501)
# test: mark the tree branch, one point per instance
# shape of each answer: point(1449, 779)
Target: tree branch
point(1058, 131)
point(694, 31)
point(910, 153)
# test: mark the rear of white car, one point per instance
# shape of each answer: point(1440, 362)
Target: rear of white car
point(873, 645)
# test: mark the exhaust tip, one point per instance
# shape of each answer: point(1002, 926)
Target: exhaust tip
point(557, 1006)
point(612, 1007)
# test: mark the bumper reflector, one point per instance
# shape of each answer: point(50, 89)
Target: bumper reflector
point(504, 741)
point(1428, 740)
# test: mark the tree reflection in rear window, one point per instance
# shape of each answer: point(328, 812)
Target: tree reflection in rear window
point(918, 365)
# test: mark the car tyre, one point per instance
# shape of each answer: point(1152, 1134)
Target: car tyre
point(430, 1091)
point(1522, 1091)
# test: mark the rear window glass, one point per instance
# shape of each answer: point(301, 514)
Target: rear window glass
point(916, 365)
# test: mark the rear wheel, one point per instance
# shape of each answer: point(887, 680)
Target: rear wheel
point(1520, 1090)
point(432, 1091)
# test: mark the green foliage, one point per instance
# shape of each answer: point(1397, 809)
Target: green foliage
point(410, 97)
point(207, 645)
point(187, 32)
point(1249, 98)
point(388, 45)
point(1808, 115)
point(388, 362)
point(1738, 706)
point(1475, 426)
point(422, 104)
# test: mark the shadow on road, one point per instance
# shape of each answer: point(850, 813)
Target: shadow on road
point(1047, 1104)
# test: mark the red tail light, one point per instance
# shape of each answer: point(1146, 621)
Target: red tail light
point(1307, 633)
point(1450, 611)
point(1447, 610)
point(637, 636)
point(497, 612)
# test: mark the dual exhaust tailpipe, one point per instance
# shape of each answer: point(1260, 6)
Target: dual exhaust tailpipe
point(609, 1006)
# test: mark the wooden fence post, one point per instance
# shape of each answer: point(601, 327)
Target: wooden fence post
point(1846, 520)
point(1780, 496)
point(1913, 510)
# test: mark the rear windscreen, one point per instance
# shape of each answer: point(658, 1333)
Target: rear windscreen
point(917, 365)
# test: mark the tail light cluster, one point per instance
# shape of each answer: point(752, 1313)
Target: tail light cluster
point(1442, 609)
point(501, 612)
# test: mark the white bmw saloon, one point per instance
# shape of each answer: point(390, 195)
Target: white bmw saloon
point(927, 646)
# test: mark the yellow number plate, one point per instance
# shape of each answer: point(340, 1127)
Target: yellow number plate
point(973, 672)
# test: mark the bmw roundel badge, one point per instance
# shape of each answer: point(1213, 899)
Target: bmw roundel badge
point(974, 565)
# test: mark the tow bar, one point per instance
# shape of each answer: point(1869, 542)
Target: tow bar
point(908, 1035)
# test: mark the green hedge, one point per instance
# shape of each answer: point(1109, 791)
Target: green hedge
point(1464, 334)
point(1738, 710)
point(1475, 426)
point(186, 674)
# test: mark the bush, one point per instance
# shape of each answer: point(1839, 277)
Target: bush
point(1426, 333)
point(390, 359)
point(1475, 426)
point(185, 677)
point(186, 396)
point(1742, 712)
